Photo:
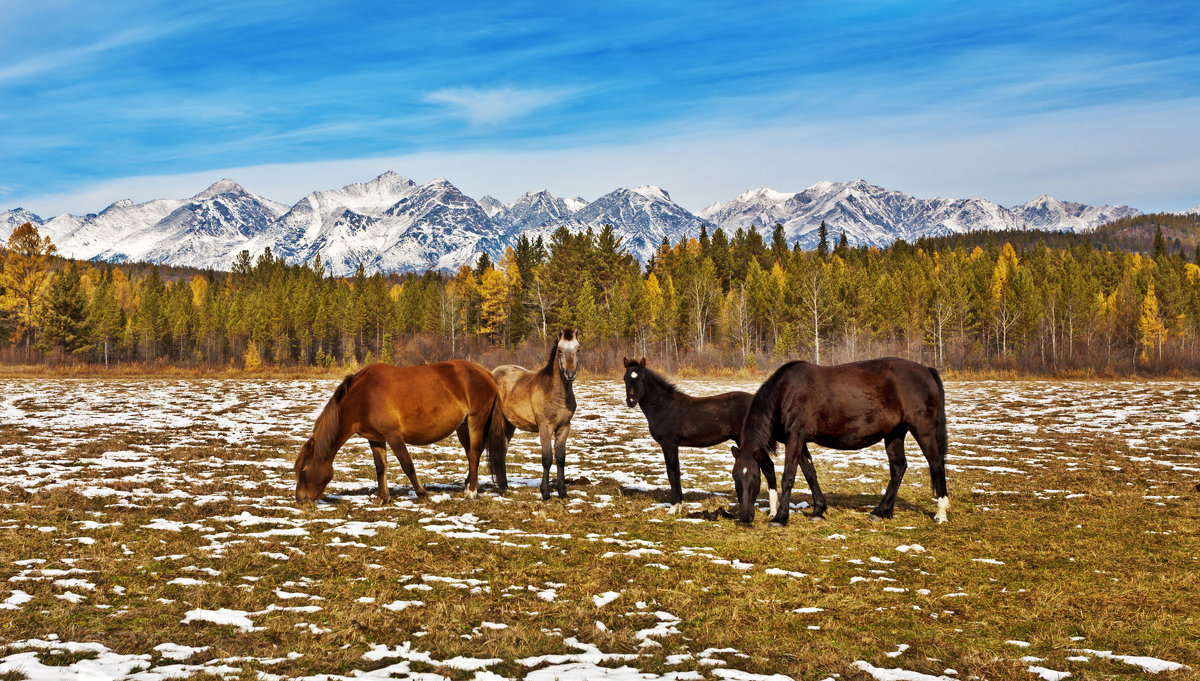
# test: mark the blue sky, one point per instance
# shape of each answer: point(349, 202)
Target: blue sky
point(1095, 102)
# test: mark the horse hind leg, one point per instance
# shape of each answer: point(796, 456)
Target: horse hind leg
point(810, 476)
point(406, 464)
point(474, 427)
point(937, 473)
point(671, 458)
point(897, 464)
point(379, 452)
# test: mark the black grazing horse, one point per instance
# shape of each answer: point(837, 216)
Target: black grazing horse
point(677, 419)
point(847, 406)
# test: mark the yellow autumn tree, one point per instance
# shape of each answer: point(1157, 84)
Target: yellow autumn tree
point(493, 307)
point(24, 278)
point(199, 286)
point(1151, 331)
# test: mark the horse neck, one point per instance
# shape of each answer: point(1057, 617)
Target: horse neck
point(554, 372)
point(658, 392)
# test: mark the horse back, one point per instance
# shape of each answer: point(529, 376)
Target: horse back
point(424, 404)
point(710, 420)
point(848, 406)
point(521, 393)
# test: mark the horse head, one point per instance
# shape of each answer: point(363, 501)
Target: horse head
point(311, 475)
point(746, 482)
point(635, 383)
point(568, 353)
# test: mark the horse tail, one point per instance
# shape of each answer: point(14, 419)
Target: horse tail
point(325, 431)
point(759, 427)
point(940, 427)
point(497, 443)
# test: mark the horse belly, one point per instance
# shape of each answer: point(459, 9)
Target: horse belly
point(427, 423)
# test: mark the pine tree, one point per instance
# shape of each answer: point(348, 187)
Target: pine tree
point(779, 247)
point(823, 240)
point(1160, 244)
point(64, 316)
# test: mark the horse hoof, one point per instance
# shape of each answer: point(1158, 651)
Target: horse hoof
point(816, 519)
point(777, 523)
point(938, 521)
point(383, 501)
point(874, 518)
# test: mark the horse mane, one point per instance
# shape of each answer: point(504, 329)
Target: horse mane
point(658, 381)
point(325, 430)
point(568, 334)
point(549, 366)
point(758, 429)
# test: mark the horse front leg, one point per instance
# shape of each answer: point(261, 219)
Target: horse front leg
point(768, 470)
point(810, 476)
point(671, 457)
point(380, 453)
point(791, 456)
point(560, 458)
point(547, 439)
point(896, 466)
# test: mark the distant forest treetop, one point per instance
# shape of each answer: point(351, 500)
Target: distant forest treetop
point(1180, 235)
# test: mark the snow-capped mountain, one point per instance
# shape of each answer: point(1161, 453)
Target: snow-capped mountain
point(12, 219)
point(491, 205)
point(201, 232)
point(535, 211)
point(872, 215)
point(393, 224)
point(1047, 212)
point(641, 217)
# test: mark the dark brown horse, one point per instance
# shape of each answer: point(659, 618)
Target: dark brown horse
point(404, 406)
point(847, 406)
point(676, 419)
point(543, 402)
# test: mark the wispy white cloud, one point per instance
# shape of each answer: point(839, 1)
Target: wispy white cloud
point(495, 105)
point(52, 61)
point(1095, 156)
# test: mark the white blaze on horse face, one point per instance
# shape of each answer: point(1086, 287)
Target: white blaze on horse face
point(633, 374)
point(943, 505)
point(774, 501)
point(745, 470)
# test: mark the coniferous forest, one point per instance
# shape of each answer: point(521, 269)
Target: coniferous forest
point(973, 302)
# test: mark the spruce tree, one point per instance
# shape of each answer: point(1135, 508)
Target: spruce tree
point(64, 317)
point(779, 247)
point(823, 243)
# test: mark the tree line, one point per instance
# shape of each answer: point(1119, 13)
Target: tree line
point(720, 300)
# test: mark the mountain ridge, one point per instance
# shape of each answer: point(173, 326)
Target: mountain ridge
point(391, 223)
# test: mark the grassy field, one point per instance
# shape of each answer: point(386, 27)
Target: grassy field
point(147, 531)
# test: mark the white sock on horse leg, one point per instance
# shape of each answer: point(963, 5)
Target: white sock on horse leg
point(774, 494)
point(675, 509)
point(943, 505)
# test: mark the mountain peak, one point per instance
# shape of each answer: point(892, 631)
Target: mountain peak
point(222, 186)
point(651, 192)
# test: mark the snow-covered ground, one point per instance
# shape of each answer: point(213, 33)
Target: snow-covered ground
point(127, 441)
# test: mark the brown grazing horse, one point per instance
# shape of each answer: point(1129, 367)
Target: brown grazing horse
point(404, 406)
point(677, 419)
point(543, 402)
point(847, 406)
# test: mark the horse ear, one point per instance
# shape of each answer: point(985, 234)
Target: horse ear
point(643, 361)
point(628, 362)
point(736, 452)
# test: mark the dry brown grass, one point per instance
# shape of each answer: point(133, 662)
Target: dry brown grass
point(1116, 566)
